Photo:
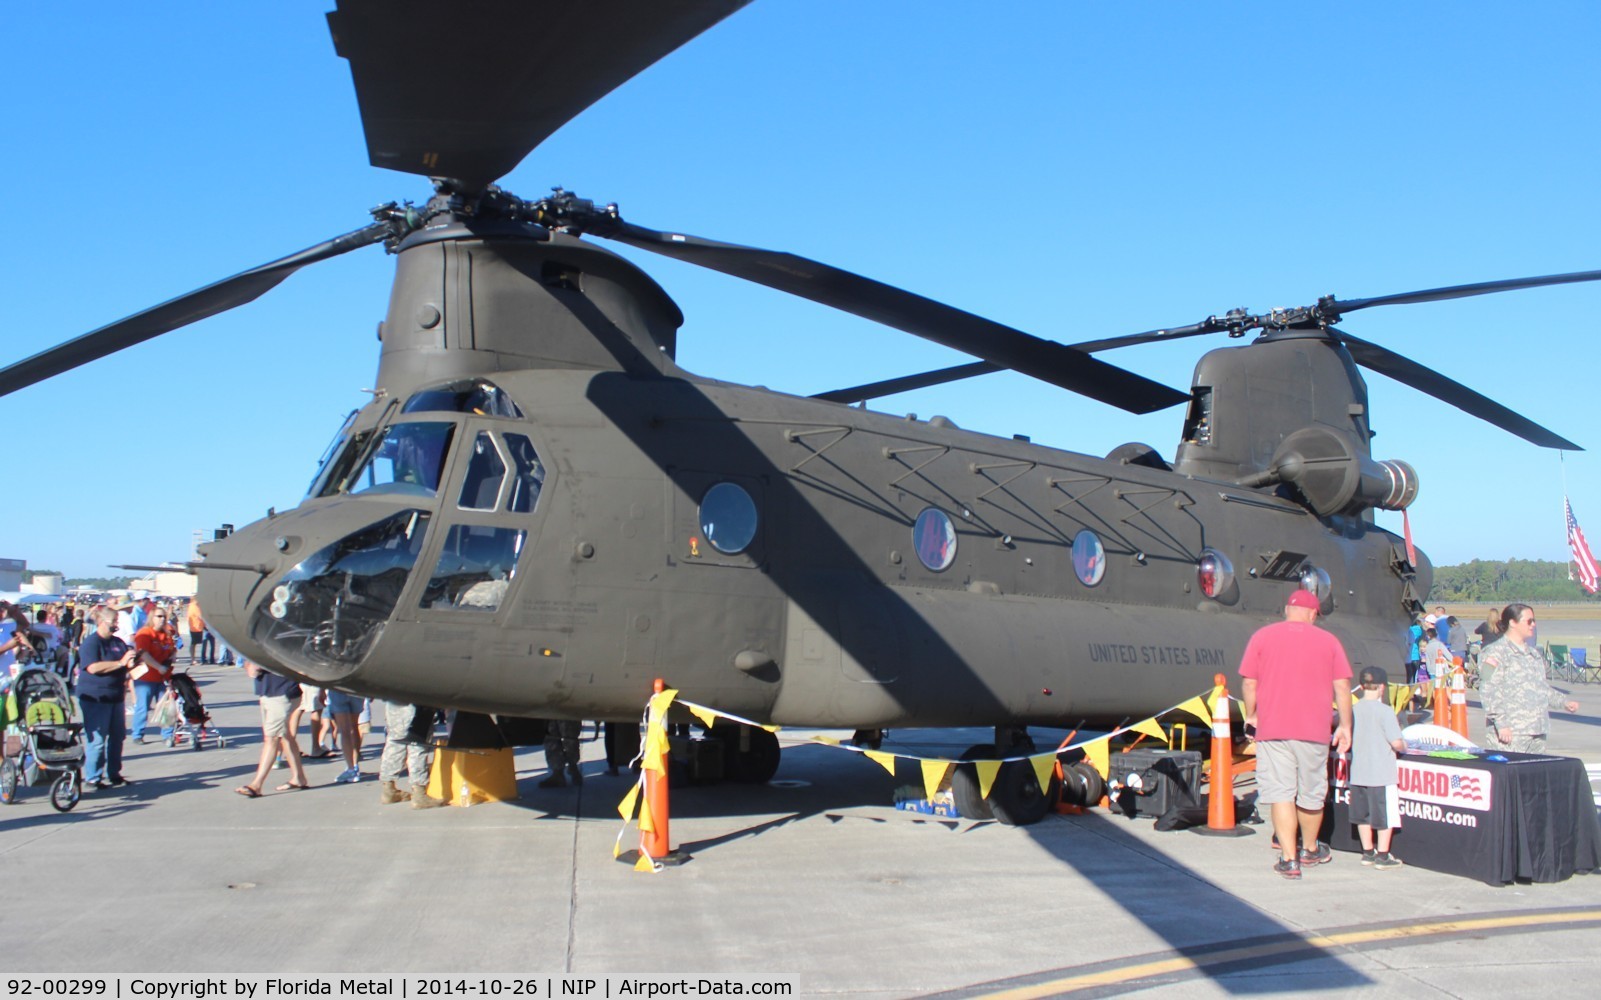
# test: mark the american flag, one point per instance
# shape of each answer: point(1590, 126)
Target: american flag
point(1465, 787)
point(1589, 575)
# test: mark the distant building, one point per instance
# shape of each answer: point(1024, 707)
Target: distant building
point(11, 571)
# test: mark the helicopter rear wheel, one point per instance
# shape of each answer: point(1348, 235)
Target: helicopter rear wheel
point(965, 786)
point(1016, 797)
point(750, 753)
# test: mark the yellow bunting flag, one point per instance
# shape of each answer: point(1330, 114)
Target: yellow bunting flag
point(772, 729)
point(825, 740)
point(1198, 708)
point(644, 864)
point(630, 802)
point(884, 760)
point(1099, 754)
point(1044, 764)
point(987, 770)
point(1151, 728)
point(705, 715)
point(656, 748)
point(933, 774)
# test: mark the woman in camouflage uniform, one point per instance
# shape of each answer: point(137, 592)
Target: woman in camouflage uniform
point(1514, 691)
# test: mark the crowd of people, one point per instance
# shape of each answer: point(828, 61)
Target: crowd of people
point(117, 656)
point(1292, 670)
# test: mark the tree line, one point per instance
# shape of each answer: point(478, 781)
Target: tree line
point(1504, 581)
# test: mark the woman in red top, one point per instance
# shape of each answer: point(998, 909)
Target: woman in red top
point(150, 672)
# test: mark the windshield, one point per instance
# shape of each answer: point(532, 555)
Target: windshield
point(410, 460)
point(324, 466)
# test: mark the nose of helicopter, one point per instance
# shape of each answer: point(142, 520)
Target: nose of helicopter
point(309, 592)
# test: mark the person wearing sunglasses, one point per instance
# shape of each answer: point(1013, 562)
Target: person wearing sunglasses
point(1516, 696)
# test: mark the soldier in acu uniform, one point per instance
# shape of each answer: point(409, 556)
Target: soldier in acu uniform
point(1516, 696)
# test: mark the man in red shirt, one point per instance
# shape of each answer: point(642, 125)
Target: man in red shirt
point(1292, 670)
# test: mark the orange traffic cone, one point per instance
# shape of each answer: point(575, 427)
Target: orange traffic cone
point(654, 841)
point(1220, 801)
point(1459, 700)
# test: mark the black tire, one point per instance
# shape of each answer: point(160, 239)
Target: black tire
point(64, 794)
point(753, 766)
point(1082, 785)
point(1016, 799)
point(965, 784)
point(8, 781)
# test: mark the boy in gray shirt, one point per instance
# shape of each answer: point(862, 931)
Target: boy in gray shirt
point(1375, 742)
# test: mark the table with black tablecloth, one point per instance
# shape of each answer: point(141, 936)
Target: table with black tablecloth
point(1528, 818)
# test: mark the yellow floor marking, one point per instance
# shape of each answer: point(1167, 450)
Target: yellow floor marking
point(1182, 963)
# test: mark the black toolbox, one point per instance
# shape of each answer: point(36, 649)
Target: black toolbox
point(1149, 781)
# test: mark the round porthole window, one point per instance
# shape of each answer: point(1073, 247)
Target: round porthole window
point(934, 537)
point(1315, 579)
point(728, 518)
point(1214, 573)
point(1089, 558)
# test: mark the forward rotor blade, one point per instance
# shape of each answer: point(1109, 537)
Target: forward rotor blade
point(181, 311)
point(467, 88)
point(1000, 345)
point(940, 376)
point(1341, 306)
point(1409, 372)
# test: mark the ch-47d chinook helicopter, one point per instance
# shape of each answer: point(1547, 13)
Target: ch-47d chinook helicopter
point(539, 512)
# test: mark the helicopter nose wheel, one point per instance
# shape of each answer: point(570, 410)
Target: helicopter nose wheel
point(750, 753)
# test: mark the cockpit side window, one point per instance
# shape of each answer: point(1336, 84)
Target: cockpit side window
point(475, 568)
point(320, 478)
point(485, 472)
point(528, 476)
point(410, 459)
point(472, 395)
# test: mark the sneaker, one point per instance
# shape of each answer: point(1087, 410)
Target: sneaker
point(116, 782)
point(1321, 856)
point(348, 776)
point(281, 763)
point(1368, 856)
point(1386, 861)
point(1288, 869)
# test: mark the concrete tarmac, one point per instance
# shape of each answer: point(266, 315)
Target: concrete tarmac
point(815, 877)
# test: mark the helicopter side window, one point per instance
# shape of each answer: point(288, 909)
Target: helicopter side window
point(1089, 558)
point(410, 460)
point(934, 538)
point(728, 518)
point(475, 568)
point(529, 475)
point(337, 470)
point(472, 395)
point(485, 472)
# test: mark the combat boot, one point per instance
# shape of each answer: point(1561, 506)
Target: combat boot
point(576, 774)
point(389, 793)
point(422, 800)
point(554, 781)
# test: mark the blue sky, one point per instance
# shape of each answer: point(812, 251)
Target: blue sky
point(1075, 170)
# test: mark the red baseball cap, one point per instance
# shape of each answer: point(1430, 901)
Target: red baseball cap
point(1302, 599)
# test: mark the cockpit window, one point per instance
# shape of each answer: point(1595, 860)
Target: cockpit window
point(410, 459)
point(475, 568)
point(473, 395)
point(528, 477)
point(485, 472)
point(318, 479)
point(336, 472)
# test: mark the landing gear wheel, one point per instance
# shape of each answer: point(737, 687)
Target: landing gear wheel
point(750, 753)
point(64, 794)
point(965, 784)
point(1016, 798)
point(8, 781)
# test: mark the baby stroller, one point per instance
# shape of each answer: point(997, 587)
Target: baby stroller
point(41, 739)
point(193, 726)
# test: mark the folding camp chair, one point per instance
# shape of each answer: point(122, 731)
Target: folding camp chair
point(1583, 670)
point(1558, 666)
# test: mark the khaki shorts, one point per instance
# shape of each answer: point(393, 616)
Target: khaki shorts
point(1293, 770)
point(309, 697)
point(275, 716)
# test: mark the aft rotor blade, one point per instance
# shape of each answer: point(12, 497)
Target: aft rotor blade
point(1409, 372)
point(1000, 345)
point(1341, 306)
point(181, 311)
point(940, 376)
point(466, 88)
